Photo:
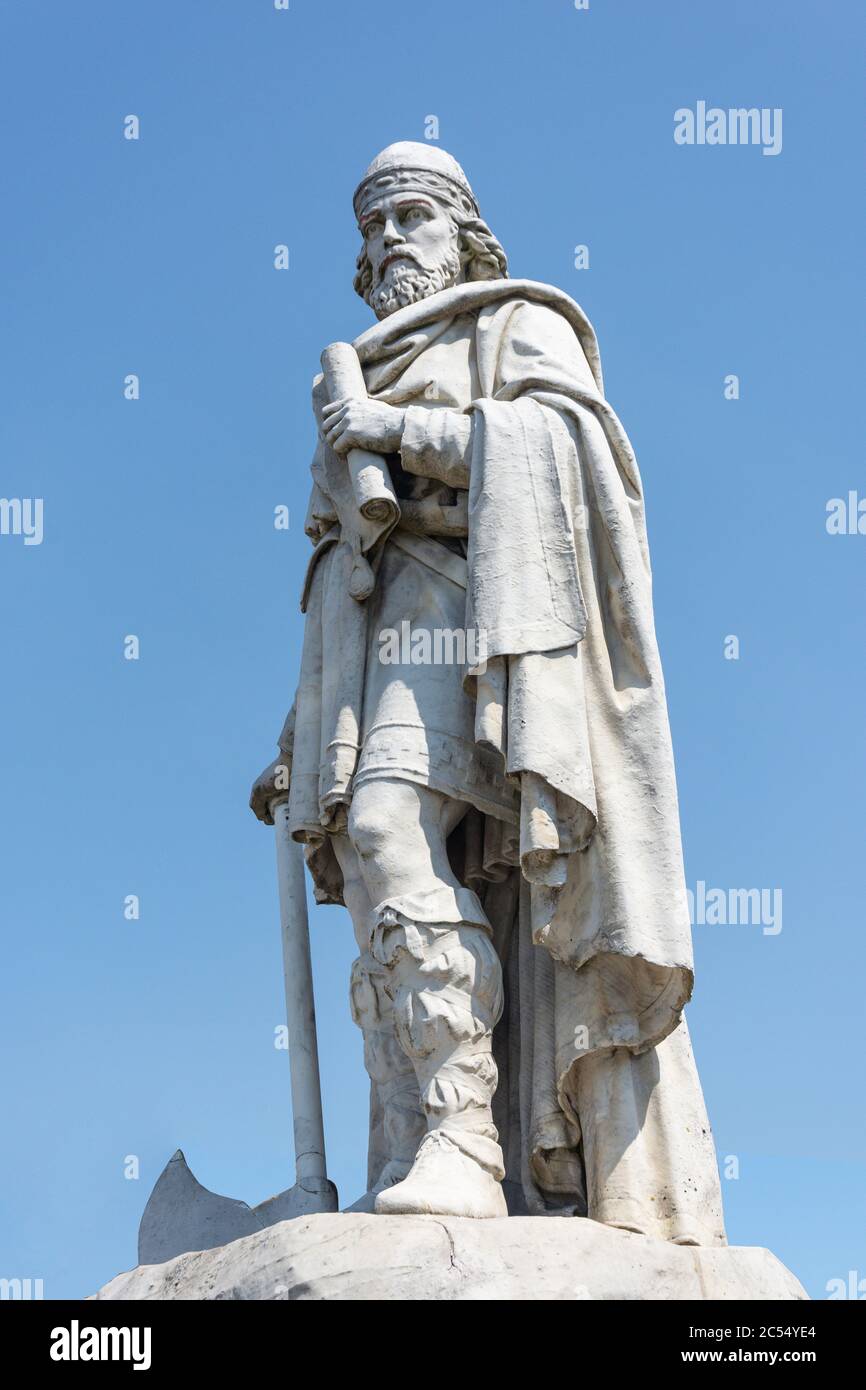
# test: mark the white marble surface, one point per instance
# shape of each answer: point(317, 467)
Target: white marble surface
point(503, 831)
point(359, 1257)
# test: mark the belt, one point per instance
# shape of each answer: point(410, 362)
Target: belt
point(435, 556)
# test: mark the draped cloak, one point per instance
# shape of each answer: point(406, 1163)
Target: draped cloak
point(577, 856)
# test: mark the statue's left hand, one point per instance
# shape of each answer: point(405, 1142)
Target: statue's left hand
point(362, 424)
point(270, 784)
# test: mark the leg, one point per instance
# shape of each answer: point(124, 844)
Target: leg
point(392, 1075)
point(431, 937)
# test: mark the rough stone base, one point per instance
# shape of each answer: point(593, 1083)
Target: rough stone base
point(357, 1257)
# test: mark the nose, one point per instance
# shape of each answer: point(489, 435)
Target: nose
point(392, 234)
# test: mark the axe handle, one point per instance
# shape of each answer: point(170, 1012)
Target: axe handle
point(300, 1004)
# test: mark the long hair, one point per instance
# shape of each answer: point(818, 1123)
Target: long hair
point(481, 256)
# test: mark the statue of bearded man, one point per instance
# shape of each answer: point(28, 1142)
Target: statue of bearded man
point(503, 831)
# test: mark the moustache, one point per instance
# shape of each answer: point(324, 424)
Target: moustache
point(392, 256)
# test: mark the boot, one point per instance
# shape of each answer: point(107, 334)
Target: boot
point(445, 981)
point(391, 1073)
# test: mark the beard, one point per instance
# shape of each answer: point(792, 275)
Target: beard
point(406, 281)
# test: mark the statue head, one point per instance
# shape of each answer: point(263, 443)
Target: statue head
point(421, 227)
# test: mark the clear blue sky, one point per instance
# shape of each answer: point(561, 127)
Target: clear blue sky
point(155, 257)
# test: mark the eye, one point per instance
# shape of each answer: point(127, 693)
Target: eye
point(414, 214)
point(373, 228)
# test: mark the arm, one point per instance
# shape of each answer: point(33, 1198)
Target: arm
point(433, 443)
point(437, 444)
point(277, 776)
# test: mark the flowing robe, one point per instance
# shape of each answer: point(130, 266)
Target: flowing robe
point(559, 744)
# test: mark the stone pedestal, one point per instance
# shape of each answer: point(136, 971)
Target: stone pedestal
point(359, 1257)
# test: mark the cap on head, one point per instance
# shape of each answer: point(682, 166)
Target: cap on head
point(415, 168)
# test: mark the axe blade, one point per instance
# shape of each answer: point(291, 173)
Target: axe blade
point(182, 1216)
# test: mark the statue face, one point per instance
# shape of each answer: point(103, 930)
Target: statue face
point(412, 247)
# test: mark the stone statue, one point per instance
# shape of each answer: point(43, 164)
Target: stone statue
point(478, 757)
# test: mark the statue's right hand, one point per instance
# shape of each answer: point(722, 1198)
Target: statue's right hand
point(271, 783)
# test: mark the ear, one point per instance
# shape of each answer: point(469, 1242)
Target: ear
point(363, 281)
